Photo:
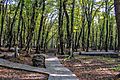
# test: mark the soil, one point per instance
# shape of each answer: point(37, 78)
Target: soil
point(12, 74)
point(22, 59)
point(92, 68)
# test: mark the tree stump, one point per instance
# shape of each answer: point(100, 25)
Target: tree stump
point(16, 52)
point(38, 61)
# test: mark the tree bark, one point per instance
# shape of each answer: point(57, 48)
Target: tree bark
point(11, 26)
point(88, 12)
point(20, 18)
point(117, 13)
point(60, 24)
point(2, 22)
point(32, 26)
point(4, 9)
point(107, 13)
point(72, 27)
point(40, 28)
point(67, 23)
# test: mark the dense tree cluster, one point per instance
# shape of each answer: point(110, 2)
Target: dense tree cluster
point(63, 24)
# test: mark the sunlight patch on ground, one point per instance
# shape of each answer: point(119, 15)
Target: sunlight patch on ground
point(87, 62)
point(93, 67)
point(100, 71)
point(51, 59)
point(61, 69)
point(62, 75)
point(78, 65)
point(95, 64)
point(11, 74)
point(103, 71)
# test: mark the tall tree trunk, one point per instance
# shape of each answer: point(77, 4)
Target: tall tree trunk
point(115, 41)
point(60, 24)
point(75, 43)
point(67, 24)
point(43, 34)
point(4, 10)
point(32, 26)
point(24, 34)
point(2, 21)
point(21, 37)
point(88, 36)
point(96, 38)
point(11, 26)
point(40, 28)
point(47, 33)
point(111, 36)
point(93, 39)
point(106, 38)
point(101, 34)
point(72, 27)
point(83, 26)
point(88, 12)
point(80, 33)
point(20, 18)
point(117, 13)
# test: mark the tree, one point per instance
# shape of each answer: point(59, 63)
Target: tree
point(40, 28)
point(60, 24)
point(20, 19)
point(71, 24)
point(12, 25)
point(106, 18)
point(4, 8)
point(117, 13)
point(32, 26)
point(67, 23)
point(88, 12)
point(72, 27)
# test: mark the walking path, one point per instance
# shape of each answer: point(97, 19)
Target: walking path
point(6, 63)
point(54, 68)
point(58, 71)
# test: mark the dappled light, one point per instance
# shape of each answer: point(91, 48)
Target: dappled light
point(60, 39)
point(91, 68)
point(62, 75)
point(6, 73)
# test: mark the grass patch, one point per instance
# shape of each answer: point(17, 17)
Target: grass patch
point(117, 68)
point(107, 59)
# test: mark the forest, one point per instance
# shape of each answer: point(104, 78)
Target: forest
point(73, 32)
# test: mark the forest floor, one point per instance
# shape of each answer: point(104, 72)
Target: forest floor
point(93, 67)
point(85, 67)
point(12, 74)
point(23, 59)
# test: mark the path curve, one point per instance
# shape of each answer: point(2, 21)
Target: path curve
point(9, 64)
point(54, 68)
